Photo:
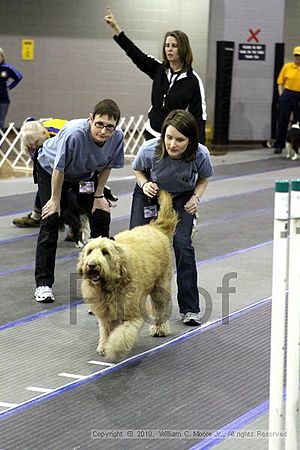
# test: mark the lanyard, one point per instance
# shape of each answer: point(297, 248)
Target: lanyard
point(172, 78)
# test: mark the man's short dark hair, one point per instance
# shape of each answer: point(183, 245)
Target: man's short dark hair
point(107, 107)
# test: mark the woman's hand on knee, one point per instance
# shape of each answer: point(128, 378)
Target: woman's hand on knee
point(191, 206)
point(101, 203)
point(150, 189)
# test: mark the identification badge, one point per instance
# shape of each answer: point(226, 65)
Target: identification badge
point(86, 187)
point(150, 211)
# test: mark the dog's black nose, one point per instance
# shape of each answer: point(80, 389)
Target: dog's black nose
point(92, 265)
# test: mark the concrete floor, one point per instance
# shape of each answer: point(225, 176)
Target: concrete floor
point(48, 348)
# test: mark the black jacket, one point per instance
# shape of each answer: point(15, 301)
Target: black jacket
point(169, 90)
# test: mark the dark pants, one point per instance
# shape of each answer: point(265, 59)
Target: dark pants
point(37, 203)
point(48, 234)
point(187, 295)
point(3, 114)
point(288, 103)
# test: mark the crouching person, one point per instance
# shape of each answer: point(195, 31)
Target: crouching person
point(33, 134)
point(81, 148)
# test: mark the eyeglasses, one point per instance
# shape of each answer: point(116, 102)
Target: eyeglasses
point(108, 128)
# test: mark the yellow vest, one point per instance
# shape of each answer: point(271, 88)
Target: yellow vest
point(53, 126)
point(289, 76)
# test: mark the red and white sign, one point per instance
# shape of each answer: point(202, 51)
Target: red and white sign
point(253, 35)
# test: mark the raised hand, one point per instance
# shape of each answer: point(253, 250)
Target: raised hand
point(111, 21)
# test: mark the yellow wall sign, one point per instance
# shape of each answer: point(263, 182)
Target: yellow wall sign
point(28, 49)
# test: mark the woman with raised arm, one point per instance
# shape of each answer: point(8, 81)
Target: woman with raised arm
point(175, 84)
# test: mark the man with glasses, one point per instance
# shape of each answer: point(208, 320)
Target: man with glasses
point(80, 157)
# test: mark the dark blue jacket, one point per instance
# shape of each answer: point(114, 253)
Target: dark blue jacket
point(8, 72)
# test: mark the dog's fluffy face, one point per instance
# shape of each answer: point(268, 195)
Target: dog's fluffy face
point(103, 262)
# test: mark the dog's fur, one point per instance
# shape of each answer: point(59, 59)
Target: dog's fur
point(293, 142)
point(75, 216)
point(119, 274)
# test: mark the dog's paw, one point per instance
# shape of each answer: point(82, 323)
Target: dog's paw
point(101, 349)
point(112, 357)
point(160, 330)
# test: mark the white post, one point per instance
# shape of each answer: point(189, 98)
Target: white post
point(293, 324)
point(279, 286)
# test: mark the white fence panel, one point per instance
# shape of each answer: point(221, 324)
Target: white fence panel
point(10, 151)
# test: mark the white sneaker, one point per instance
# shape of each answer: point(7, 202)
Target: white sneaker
point(191, 318)
point(295, 157)
point(43, 294)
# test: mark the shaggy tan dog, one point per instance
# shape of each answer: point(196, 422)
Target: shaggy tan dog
point(119, 274)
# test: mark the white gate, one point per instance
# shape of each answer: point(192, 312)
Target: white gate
point(12, 157)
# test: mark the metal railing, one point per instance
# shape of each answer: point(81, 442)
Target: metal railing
point(12, 156)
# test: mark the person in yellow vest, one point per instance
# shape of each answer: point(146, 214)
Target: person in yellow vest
point(289, 98)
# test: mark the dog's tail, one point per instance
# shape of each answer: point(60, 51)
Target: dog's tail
point(167, 218)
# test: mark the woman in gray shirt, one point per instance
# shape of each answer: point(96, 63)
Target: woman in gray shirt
point(177, 163)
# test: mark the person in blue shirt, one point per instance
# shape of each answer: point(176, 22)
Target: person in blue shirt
point(177, 163)
point(7, 72)
point(82, 153)
point(33, 134)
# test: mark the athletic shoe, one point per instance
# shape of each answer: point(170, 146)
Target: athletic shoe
point(295, 157)
point(269, 144)
point(43, 294)
point(70, 237)
point(191, 318)
point(27, 222)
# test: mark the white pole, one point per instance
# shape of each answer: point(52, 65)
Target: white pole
point(279, 286)
point(293, 324)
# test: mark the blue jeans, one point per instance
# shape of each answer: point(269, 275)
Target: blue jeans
point(187, 289)
point(3, 114)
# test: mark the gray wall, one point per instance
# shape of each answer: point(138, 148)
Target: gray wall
point(77, 62)
point(252, 81)
point(291, 35)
